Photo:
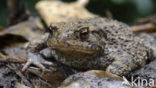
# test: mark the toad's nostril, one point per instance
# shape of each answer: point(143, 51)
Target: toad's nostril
point(94, 46)
point(66, 35)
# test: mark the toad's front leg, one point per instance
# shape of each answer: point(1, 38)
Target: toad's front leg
point(34, 57)
point(37, 60)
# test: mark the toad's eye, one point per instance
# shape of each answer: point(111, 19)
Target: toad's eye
point(84, 33)
point(52, 29)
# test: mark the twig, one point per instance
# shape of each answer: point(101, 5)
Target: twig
point(15, 59)
point(19, 73)
point(149, 27)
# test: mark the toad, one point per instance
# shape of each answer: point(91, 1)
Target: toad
point(93, 43)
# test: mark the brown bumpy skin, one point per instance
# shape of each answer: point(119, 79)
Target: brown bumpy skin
point(97, 43)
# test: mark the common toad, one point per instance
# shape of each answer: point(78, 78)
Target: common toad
point(93, 43)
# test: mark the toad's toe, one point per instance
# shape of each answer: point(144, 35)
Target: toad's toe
point(37, 60)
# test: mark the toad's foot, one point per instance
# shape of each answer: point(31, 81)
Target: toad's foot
point(37, 60)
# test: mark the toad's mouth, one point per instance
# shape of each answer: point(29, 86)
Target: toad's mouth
point(74, 46)
point(92, 49)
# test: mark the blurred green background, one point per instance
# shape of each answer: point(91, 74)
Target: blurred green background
point(123, 10)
